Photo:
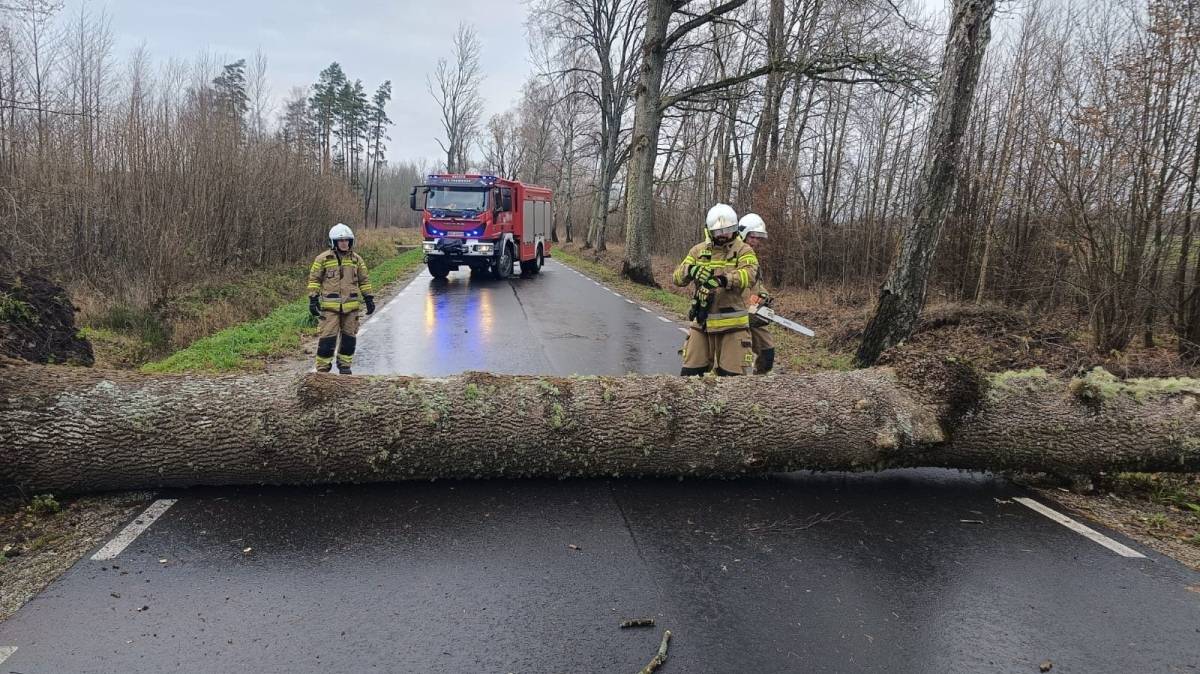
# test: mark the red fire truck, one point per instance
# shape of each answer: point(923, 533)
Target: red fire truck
point(483, 222)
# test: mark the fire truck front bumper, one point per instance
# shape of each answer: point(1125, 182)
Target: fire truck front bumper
point(459, 248)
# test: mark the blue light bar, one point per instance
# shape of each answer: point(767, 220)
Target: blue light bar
point(453, 180)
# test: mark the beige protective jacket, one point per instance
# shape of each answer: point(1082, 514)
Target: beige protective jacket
point(735, 261)
point(340, 280)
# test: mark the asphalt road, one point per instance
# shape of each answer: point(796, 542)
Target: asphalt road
point(906, 571)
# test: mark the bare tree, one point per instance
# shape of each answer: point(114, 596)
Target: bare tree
point(503, 149)
point(259, 93)
point(597, 57)
point(455, 88)
point(839, 65)
point(903, 295)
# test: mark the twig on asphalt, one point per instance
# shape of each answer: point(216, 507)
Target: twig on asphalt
point(638, 622)
point(791, 524)
point(660, 657)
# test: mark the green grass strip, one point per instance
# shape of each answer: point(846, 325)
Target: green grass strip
point(278, 334)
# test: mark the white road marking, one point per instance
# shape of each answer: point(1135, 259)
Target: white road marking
point(133, 530)
point(6, 652)
point(627, 300)
point(1123, 550)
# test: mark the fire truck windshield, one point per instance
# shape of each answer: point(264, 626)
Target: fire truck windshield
point(456, 199)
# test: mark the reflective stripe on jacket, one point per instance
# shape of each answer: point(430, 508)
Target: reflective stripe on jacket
point(735, 261)
point(340, 280)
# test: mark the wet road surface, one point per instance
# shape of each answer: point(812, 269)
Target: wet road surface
point(558, 322)
point(907, 571)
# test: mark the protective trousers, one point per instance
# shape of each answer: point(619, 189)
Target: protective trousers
point(728, 353)
point(763, 346)
point(330, 326)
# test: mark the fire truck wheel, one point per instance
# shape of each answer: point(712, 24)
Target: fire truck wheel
point(532, 267)
point(504, 265)
point(439, 270)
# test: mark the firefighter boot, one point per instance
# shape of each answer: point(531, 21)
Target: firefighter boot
point(346, 353)
point(325, 348)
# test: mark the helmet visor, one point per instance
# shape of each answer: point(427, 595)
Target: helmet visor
point(718, 232)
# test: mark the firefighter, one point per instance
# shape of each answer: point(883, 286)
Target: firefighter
point(337, 288)
point(753, 231)
point(722, 267)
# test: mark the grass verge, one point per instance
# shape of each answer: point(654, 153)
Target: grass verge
point(796, 353)
point(246, 345)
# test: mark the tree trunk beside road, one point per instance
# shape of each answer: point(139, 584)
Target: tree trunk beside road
point(903, 294)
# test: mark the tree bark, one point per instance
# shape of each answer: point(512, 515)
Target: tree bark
point(903, 294)
point(81, 429)
point(768, 122)
point(647, 120)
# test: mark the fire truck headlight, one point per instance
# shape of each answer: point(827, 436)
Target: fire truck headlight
point(483, 248)
point(427, 246)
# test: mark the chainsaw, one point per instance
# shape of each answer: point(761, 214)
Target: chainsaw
point(760, 306)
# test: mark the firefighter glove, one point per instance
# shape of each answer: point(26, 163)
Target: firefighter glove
point(722, 281)
point(700, 273)
point(314, 306)
point(370, 300)
point(714, 282)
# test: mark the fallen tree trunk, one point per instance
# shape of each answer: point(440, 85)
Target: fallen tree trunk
point(79, 429)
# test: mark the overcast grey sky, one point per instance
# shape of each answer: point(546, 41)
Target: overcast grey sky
point(374, 40)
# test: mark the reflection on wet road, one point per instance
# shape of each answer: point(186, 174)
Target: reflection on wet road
point(556, 323)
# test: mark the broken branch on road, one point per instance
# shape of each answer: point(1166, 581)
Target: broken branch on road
point(660, 657)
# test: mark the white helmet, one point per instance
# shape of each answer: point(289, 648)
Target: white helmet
point(722, 220)
point(339, 232)
point(752, 224)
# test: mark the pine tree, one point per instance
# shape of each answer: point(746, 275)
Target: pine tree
point(297, 127)
point(229, 93)
point(377, 120)
point(352, 127)
point(324, 104)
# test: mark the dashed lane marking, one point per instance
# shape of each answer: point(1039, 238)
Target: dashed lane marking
point(134, 529)
point(6, 652)
point(1096, 536)
point(627, 300)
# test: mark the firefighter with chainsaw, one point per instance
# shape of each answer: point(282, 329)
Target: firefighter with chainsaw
point(753, 231)
point(338, 287)
point(721, 269)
